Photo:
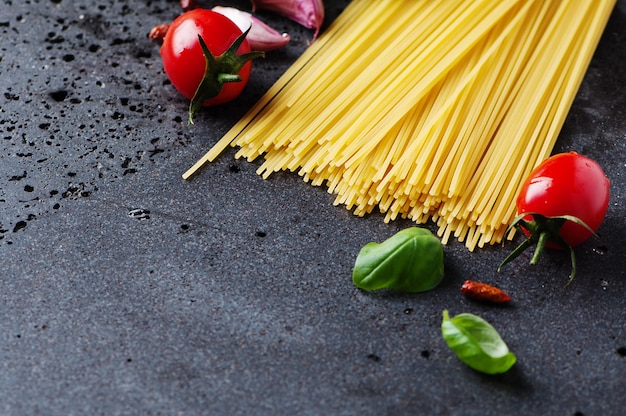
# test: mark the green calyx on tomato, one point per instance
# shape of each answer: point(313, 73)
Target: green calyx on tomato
point(543, 231)
point(561, 204)
point(219, 70)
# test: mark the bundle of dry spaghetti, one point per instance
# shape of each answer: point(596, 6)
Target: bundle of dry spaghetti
point(427, 109)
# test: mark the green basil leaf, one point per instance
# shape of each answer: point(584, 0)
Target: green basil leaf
point(477, 343)
point(410, 261)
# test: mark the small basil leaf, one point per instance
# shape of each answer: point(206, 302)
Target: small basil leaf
point(410, 261)
point(477, 343)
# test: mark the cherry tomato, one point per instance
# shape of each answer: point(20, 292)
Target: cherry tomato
point(561, 204)
point(567, 184)
point(183, 58)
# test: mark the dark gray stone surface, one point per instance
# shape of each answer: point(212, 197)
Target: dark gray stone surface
point(125, 290)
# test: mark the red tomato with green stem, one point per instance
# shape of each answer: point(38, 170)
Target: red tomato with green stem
point(561, 204)
point(207, 58)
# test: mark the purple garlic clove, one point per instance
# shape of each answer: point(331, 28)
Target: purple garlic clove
point(261, 36)
point(309, 13)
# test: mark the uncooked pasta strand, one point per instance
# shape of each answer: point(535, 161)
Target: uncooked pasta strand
point(426, 110)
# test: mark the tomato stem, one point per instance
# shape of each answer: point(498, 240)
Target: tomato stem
point(542, 230)
point(573, 260)
point(541, 243)
point(228, 78)
point(219, 70)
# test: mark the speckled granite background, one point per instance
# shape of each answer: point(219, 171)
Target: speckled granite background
point(125, 290)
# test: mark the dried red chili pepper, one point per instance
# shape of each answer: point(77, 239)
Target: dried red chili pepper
point(157, 33)
point(187, 5)
point(483, 292)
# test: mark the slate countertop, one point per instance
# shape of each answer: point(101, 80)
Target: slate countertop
point(125, 290)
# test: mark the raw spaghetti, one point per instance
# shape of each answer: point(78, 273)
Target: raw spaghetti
point(426, 110)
